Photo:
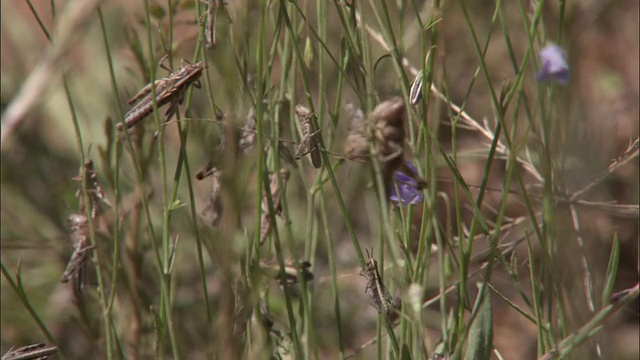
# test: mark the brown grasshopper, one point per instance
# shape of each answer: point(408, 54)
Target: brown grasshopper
point(79, 225)
point(309, 143)
point(170, 89)
point(210, 36)
point(94, 190)
point(382, 300)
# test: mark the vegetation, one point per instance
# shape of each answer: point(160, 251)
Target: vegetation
point(381, 179)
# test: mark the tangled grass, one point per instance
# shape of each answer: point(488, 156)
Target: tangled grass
point(232, 220)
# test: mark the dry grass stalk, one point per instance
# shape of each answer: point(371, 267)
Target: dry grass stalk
point(30, 352)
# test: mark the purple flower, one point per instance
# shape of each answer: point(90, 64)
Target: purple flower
point(554, 65)
point(408, 187)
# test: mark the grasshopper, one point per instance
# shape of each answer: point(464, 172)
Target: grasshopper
point(210, 36)
point(79, 225)
point(376, 290)
point(170, 89)
point(93, 188)
point(309, 143)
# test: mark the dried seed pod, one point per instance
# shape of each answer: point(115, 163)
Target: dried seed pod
point(309, 143)
point(213, 210)
point(356, 144)
point(79, 225)
point(388, 118)
point(277, 182)
point(382, 300)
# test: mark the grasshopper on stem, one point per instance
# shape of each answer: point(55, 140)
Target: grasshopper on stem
point(210, 36)
point(170, 89)
point(377, 291)
point(309, 143)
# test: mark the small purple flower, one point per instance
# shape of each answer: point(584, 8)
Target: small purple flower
point(408, 187)
point(554, 65)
